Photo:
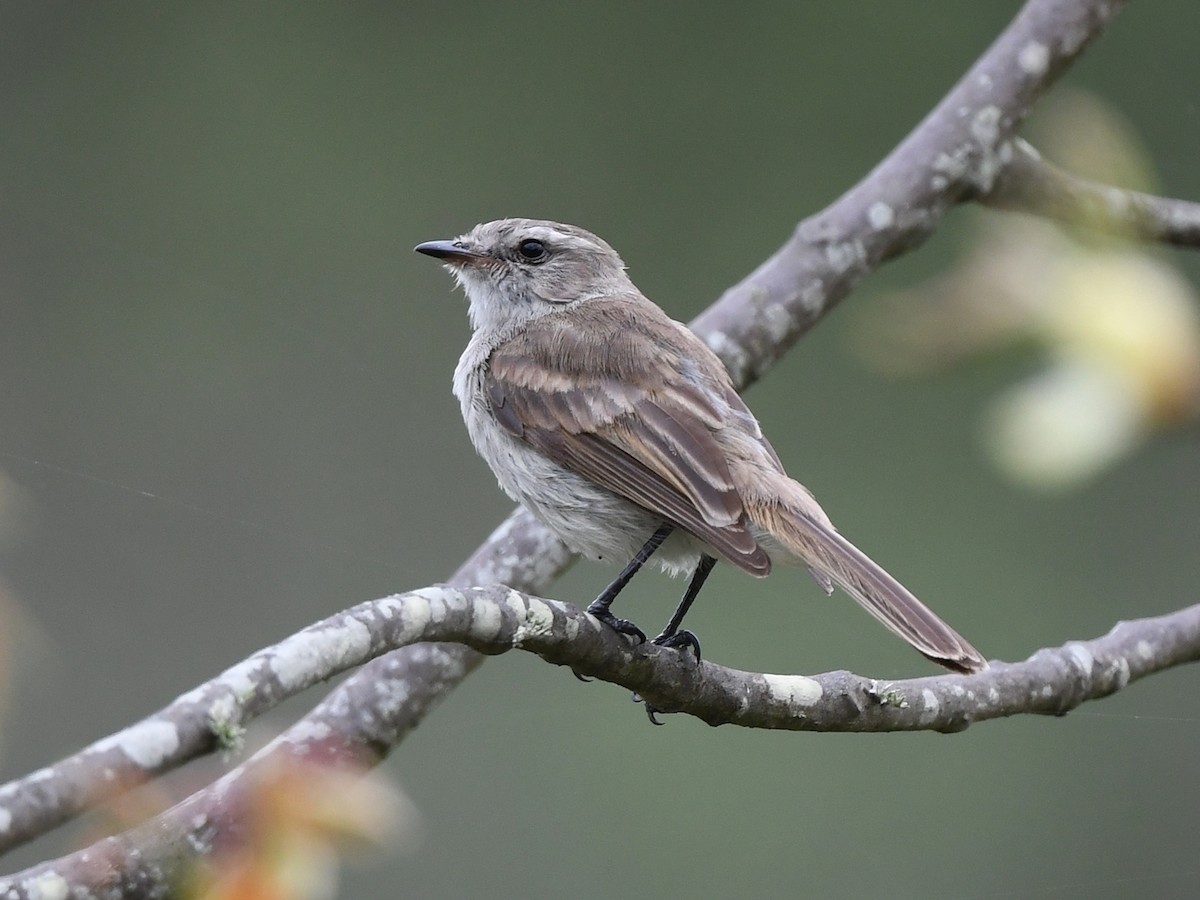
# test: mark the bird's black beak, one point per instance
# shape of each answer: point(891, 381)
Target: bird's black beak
point(449, 251)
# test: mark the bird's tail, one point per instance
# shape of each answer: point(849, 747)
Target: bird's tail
point(833, 558)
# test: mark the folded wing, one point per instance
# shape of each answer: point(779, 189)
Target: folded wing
point(628, 412)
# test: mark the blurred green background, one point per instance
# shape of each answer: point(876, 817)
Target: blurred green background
point(226, 413)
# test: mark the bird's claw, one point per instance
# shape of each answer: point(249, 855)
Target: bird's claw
point(651, 711)
point(679, 640)
point(676, 640)
point(620, 626)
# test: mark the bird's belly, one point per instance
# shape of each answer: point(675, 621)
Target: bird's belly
point(590, 519)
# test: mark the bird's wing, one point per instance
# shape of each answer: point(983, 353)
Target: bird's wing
point(619, 400)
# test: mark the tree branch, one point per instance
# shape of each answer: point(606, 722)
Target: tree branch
point(212, 716)
point(1029, 184)
point(954, 154)
point(958, 152)
point(497, 619)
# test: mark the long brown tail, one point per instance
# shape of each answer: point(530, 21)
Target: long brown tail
point(830, 555)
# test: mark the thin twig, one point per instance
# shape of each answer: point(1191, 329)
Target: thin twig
point(1029, 184)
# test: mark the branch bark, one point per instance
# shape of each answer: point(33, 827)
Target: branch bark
point(1029, 184)
point(496, 619)
point(962, 150)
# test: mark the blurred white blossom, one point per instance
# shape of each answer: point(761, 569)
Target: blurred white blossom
point(1115, 326)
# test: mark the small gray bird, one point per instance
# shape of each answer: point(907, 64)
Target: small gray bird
point(621, 431)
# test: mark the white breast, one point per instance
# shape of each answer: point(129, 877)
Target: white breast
point(589, 519)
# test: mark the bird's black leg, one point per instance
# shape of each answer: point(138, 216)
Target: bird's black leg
point(600, 606)
point(671, 635)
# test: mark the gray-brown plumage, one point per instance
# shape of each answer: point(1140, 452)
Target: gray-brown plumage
point(608, 419)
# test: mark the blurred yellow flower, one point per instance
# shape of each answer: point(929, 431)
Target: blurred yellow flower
point(296, 817)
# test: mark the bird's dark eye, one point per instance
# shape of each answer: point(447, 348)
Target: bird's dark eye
point(532, 250)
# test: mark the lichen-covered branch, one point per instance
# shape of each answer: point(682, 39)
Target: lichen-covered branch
point(213, 715)
point(497, 619)
point(1029, 184)
point(954, 154)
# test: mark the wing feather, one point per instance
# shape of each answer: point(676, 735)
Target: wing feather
point(647, 435)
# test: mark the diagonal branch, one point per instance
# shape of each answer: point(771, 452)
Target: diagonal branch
point(954, 154)
point(213, 715)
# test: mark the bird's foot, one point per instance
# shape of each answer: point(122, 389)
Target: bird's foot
point(620, 626)
point(651, 711)
point(676, 640)
point(679, 640)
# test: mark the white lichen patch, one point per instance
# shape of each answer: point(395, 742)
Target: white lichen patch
point(5, 820)
point(146, 743)
point(515, 603)
point(952, 165)
point(486, 620)
point(1144, 650)
point(197, 841)
point(993, 154)
point(1034, 58)
point(417, 615)
point(794, 690)
point(391, 694)
point(391, 605)
point(778, 321)
point(22, 784)
point(537, 622)
point(440, 600)
point(993, 695)
point(49, 886)
point(224, 721)
point(845, 255)
point(1117, 201)
point(880, 215)
point(296, 661)
point(1121, 672)
point(240, 679)
point(540, 614)
point(812, 295)
point(500, 565)
point(1047, 691)
point(930, 705)
point(224, 709)
point(985, 127)
point(1081, 656)
point(306, 731)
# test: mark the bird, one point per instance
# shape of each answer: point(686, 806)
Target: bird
point(621, 431)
